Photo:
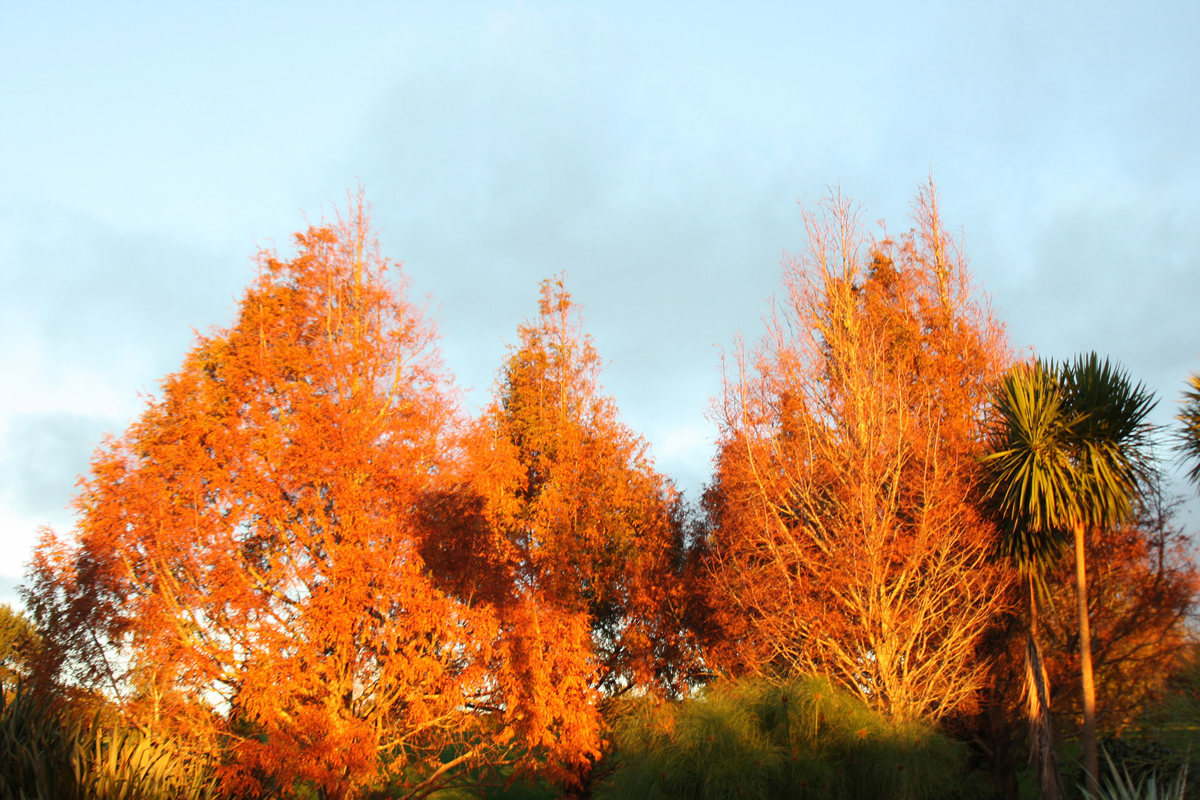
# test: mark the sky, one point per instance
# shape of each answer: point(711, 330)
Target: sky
point(654, 152)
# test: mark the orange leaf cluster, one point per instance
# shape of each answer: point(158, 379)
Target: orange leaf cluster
point(248, 553)
point(578, 526)
point(1141, 589)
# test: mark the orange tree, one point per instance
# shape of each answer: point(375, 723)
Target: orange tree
point(578, 529)
point(848, 536)
point(246, 572)
point(1142, 584)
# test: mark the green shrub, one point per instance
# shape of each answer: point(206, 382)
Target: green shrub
point(1121, 784)
point(761, 739)
point(45, 755)
point(35, 749)
point(120, 764)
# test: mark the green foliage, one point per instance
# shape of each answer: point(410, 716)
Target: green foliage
point(18, 641)
point(1111, 435)
point(1121, 784)
point(45, 755)
point(1166, 740)
point(761, 739)
point(1188, 441)
point(36, 746)
point(520, 790)
point(1070, 446)
point(1175, 717)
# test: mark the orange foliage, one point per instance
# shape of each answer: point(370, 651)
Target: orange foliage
point(578, 530)
point(848, 537)
point(1142, 586)
point(295, 561)
point(247, 571)
point(1142, 590)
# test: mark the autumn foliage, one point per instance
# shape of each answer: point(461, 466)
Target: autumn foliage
point(849, 538)
point(302, 565)
point(578, 527)
point(1142, 589)
point(247, 572)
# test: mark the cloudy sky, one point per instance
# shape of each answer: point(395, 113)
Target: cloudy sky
point(654, 152)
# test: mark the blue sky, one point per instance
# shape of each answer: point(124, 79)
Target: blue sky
point(654, 152)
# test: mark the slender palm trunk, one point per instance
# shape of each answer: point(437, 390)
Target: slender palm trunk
point(1041, 733)
point(1091, 753)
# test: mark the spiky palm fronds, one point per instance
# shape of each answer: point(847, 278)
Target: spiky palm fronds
point(1188, 439)
point(1070, 445)
point(45, 755)
point(1120, 785)
point(36, 746)
point(1071, 451)
point(1032, 479)
point(1110, 438)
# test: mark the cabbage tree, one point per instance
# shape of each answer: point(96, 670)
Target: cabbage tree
point(1070, 454)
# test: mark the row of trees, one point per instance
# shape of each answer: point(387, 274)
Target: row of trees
point(878, 450)
point(303, 562)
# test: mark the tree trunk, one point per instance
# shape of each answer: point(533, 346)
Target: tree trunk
point(1091, 754)
point(1041, 732)
point(999, 750)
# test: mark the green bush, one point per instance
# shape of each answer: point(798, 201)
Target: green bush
point(35, 749)
point(762, 739)
point(1149, 784)
point(1165, 740)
